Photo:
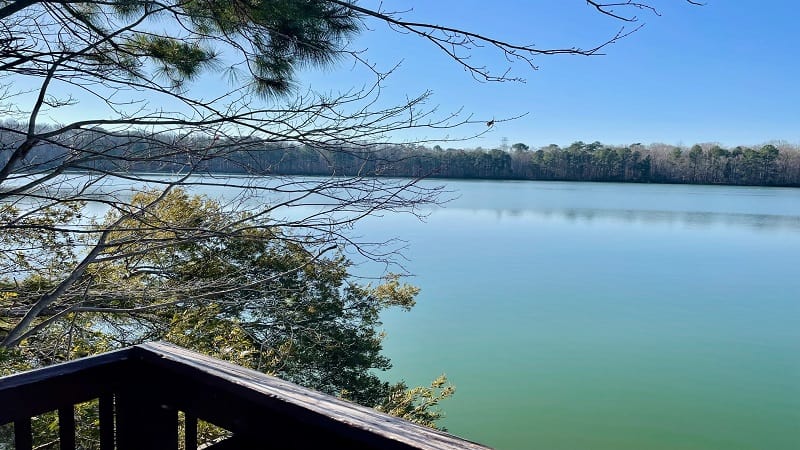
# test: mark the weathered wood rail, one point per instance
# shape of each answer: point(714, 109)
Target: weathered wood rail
point(142, 389)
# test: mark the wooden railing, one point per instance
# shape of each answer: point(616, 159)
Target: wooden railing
point(141, 390)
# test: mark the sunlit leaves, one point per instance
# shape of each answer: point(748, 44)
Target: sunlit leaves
point(419, 404)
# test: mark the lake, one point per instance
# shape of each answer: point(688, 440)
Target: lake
point(606, 316)
point(602, 316)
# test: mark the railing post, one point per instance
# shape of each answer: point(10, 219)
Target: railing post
point(145, 423)
point(106, 416)
point(66, 428)
point(23, 434)
point(190, 431)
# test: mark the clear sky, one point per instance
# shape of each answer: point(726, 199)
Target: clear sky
point(725, 72)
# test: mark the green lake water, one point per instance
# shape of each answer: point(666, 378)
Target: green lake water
point(603, 316)
point(606, 316)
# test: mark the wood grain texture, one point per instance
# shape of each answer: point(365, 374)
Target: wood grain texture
point(151, 382)
point(305, 407)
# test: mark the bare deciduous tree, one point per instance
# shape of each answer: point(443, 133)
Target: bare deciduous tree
point(135, 65)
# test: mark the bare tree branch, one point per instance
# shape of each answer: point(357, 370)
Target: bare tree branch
point(70, 193)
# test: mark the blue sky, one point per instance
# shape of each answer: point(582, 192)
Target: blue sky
point(724, 72)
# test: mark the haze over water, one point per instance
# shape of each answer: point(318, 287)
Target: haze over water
point(607, 316)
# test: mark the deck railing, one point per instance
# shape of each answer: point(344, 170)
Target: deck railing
point(142, 389)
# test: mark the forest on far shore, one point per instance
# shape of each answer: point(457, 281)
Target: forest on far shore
point(765, 165)
point(774, 164)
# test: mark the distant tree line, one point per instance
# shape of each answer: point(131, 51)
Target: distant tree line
point(766, 165)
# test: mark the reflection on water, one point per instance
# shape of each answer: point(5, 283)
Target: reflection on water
point(608, 316)
point(604, 316)
point(762, 222)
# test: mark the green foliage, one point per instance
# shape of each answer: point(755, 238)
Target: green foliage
point(718, 152)
point(38, 238)
point(267, 303)
point(695, 153)
point(176, 59)
point(42, 250)
point(419, 404)
point(770, 152)
point(520, 147)
point(657, 163)
point(178, 267)
point(13, 360)
point(271, 38)
point(282, 34)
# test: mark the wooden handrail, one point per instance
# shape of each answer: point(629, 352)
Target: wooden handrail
point(38, 391)
point(145, 386)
